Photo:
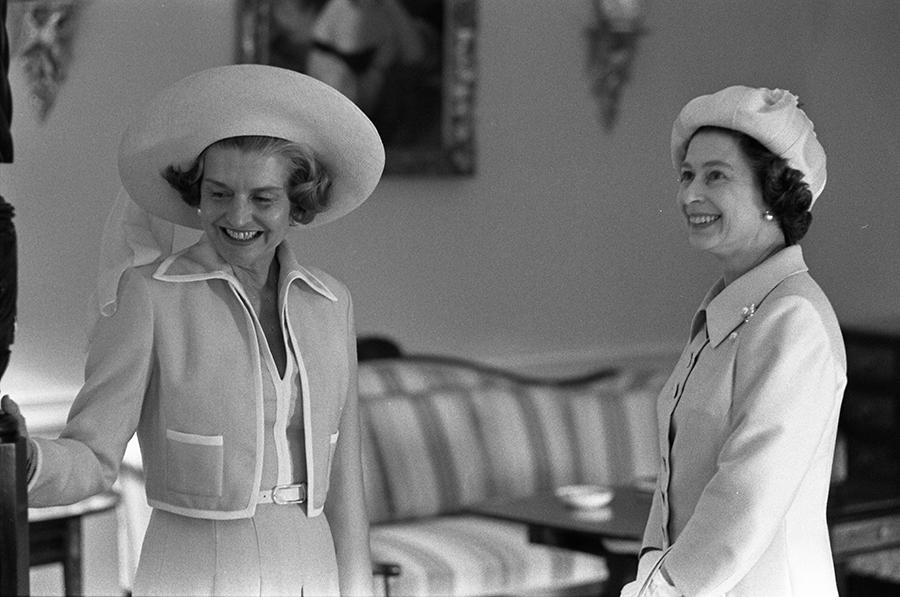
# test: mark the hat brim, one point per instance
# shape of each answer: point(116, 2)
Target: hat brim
point(248, 99)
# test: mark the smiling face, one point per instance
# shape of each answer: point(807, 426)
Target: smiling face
point(722, 203)
point(244, 207)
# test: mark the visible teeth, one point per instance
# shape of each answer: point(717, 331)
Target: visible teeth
point(702, 219)
point(241, 234)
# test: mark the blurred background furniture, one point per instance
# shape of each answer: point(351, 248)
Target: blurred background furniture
point(13, 510)
point(613, 531)
point(55, 536)
point(867, 546)
point(442, 434)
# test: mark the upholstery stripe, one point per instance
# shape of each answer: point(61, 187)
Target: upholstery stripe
point(561, 563)
point(639, 403)
point(411, 476)
point(617, 443)
point(507, 441)
point(379, 495)
point(467, 451)
point(437, 571)
point(550, 408)
point(500, 572)
point(492, 485)
point(572, 435)
point(537, 440)
point(472, 555)
point(438, 447)
point(592, 440)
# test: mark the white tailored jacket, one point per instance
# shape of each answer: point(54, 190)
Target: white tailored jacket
point(179, 363)
point(747, 427)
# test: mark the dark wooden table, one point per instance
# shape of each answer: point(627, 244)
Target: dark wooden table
point(862, 518)
point(613, 532)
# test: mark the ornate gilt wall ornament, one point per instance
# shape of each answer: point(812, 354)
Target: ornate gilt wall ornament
point(47, 28)
point(612, 44)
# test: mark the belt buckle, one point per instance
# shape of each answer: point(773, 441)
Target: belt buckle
point(289, 494)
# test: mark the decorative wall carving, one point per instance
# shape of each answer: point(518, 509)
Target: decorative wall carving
point(612, 44)
point(44, 45)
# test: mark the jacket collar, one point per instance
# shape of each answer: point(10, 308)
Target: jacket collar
point(201, 262)
point(725, 308)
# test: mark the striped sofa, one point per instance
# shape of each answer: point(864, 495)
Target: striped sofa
point(442, 434)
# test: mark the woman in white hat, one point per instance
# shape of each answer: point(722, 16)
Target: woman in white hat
point(235, 365)
point(748, 418)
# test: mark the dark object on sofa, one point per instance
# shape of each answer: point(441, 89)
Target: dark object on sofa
point(369, 348)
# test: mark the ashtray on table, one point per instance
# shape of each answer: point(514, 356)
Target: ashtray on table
point(584, 497)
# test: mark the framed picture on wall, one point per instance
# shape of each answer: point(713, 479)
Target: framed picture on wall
point(409, 64)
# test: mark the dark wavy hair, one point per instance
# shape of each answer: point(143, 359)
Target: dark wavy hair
point(784, 191)
point(308, 181)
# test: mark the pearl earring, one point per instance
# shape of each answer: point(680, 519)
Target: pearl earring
point(768, 216)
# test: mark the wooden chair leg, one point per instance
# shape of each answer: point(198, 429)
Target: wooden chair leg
point(72, 563)
point(14, 551)
point(387, 571)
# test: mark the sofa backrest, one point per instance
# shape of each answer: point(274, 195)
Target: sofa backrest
point(440, 434)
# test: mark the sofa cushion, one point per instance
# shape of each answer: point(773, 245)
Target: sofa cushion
point(471, 555)
point(441, 435)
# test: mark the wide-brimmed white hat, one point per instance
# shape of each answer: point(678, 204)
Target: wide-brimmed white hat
point(771, 116)
point(248, 99)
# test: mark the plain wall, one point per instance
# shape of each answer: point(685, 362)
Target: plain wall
point(565, 245)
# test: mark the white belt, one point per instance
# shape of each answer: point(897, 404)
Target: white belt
point(283, 494)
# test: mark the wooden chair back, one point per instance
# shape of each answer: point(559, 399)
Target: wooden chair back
point(14, 552)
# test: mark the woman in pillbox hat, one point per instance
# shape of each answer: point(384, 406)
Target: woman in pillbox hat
point(748, 418)
point(233, 364)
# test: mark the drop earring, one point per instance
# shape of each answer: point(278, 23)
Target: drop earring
point(768, 216)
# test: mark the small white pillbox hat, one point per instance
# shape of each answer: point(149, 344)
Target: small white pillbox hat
point(771, 116)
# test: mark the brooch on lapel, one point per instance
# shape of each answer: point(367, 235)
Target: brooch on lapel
point(748, 312)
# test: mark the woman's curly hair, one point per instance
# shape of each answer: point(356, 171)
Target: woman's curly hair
point(783, 189)
point(307, 186)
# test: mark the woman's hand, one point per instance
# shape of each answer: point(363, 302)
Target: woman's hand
point(10, 408)
point(631, 589)
point(657, 586)
point(646, 566)
point(647, 563)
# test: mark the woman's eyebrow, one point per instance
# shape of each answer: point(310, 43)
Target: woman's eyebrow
point(717, 164)
point(214, 182)
point(222, 185)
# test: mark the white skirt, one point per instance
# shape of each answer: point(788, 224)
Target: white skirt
point(277, 552)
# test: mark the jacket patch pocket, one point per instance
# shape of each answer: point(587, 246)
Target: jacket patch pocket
point(194, 463)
